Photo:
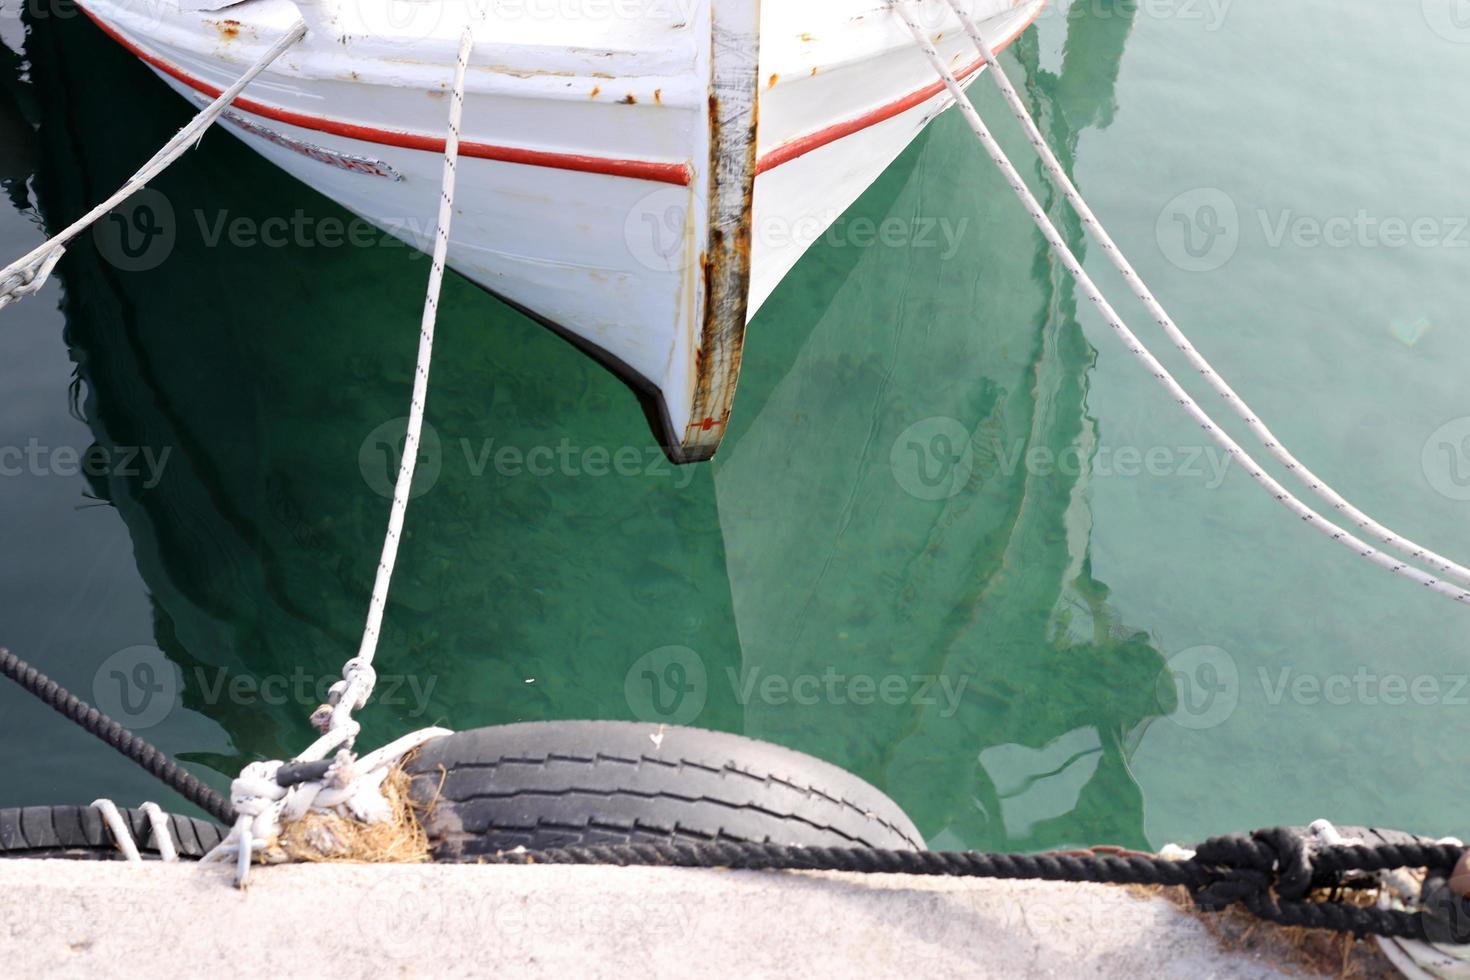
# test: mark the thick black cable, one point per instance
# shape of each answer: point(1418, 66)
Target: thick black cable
point(1111, 869)
point(1255, 870)
point(153, 761)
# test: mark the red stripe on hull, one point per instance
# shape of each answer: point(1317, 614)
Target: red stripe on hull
point(803, 145)
point(668, 173)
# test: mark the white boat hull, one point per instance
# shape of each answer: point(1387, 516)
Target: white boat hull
point(641, 184)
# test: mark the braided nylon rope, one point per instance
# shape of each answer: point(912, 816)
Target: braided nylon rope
point(1135, 282)
point(123, 836)
point(1089, 289)
point(1137, 869)
point(19, 281)
point(162, 836)
point(160, 766)
point(353, 785)
point(1241, 868)
point(28, 274)
point(358, 672)
point(112, 817)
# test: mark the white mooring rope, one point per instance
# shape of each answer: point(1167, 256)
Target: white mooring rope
point(162, 836)
point(358, 671)
point(123, 836)
point(1140, 289)
point(353, 786)
point(29, 273)
point(1136, 347)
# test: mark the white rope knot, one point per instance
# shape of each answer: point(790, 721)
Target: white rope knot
point(358, 679)
point(255, 791)
point(349, 694)
point(29, 280)
point(351, 787)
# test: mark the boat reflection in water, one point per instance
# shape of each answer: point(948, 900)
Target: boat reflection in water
point(866, 573)
point(912, 541)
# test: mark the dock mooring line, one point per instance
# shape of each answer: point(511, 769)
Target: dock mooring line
point(136, 748)
point(360, 687)
point(1280, 875)
point(263, 801)
point(1137, 348)
point(29, 273)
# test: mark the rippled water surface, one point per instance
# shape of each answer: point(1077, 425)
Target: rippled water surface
point(957, 540)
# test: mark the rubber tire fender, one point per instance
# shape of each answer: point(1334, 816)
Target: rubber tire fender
point(558, 784)
point(79, 833)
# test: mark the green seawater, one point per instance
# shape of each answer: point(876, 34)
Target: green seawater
point(957, 540)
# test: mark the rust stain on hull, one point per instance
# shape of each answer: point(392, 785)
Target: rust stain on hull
point(725, 269)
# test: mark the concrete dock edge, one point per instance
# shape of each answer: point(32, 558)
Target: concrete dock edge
point(90, 919)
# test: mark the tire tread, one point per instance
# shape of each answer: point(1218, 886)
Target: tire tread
point(539, 785)
point(79, 832)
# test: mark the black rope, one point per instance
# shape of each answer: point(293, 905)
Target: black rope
point(156, 763)
point(1271, 873)
point(742, 856)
